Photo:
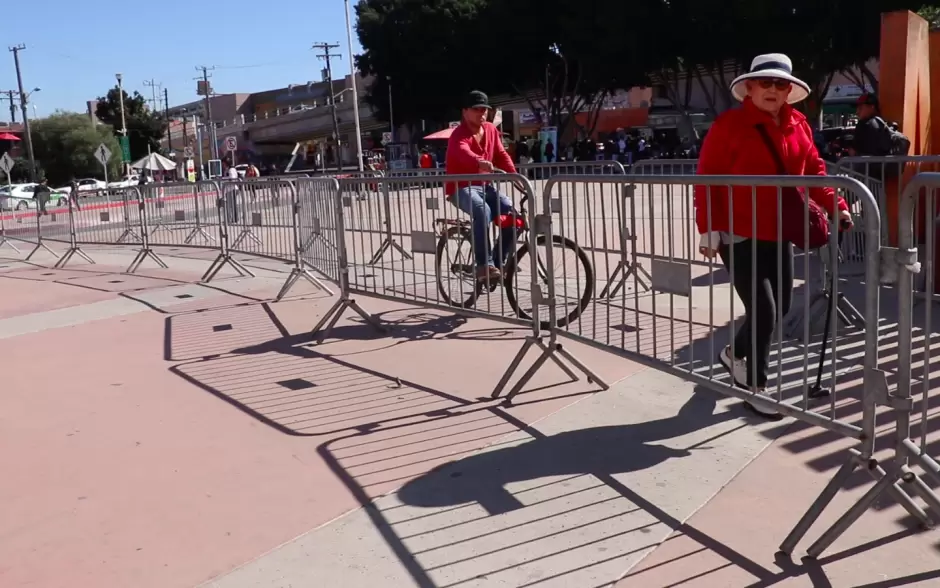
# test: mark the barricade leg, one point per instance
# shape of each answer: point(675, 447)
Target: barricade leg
point(73, 249)
point(40, 243)
point(332, 316)
point(198, 230)
point(300, 269)
point(389, 242)
point(128, 228)
point(3, 236)
point(624, 266)
point(225, 254)
point(145, 250)
point(246, 232)
point(553, 348)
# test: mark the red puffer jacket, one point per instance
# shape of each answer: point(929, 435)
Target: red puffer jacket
point(734, 147)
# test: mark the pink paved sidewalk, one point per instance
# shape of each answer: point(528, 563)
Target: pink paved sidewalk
point(166, 446)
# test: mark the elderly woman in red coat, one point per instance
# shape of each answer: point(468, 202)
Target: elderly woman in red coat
point(732, 227)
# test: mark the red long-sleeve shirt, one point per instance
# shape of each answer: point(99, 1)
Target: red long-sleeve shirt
point(464, 153)
point(733, 146)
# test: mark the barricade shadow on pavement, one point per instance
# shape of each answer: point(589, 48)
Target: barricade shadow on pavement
point(579, 471)
point(286, 382)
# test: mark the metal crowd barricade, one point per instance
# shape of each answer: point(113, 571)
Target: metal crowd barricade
point(317, 228)
point(180, 213)
point(29, 227)
point(315, 193)
point(441, 270)
point(226, 203)
point(665, 167)
point(3, 231)
point(676, 325)
point(917, 332)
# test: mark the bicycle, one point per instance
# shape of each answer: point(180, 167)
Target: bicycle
point(460, 230)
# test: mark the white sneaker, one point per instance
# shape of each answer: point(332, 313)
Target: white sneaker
point(736, 367)
point(770, 412)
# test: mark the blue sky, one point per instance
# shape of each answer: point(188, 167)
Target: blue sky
point(74, 48)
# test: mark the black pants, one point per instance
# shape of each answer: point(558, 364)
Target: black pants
point(765, 296)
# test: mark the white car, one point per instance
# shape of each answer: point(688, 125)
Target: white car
point(91, 185)
point(128, 182)
point(20, 197)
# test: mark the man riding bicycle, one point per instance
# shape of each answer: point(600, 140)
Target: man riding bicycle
point(476, 147)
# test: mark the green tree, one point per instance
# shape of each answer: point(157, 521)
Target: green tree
point(931, 13)
point(64, 146)
point(433, 53)
point(144, 127)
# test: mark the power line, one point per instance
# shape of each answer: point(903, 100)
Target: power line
point(154, 87)
point(327, 57)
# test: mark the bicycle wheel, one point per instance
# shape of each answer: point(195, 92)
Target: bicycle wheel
point(454, 268)
point(584, 273)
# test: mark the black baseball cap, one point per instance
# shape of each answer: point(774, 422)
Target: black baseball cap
point(477, 99)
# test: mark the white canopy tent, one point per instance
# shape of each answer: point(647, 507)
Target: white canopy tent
point(154, 162)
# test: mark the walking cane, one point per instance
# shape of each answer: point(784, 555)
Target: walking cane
point(817, 391)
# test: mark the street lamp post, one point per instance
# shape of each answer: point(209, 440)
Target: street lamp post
point(355, 92)
point(120, 81)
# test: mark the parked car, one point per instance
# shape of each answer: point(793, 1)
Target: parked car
point(91, 185)
point(20, 197)
point(128, 182)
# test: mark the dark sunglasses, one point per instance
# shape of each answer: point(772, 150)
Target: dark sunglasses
point(767, 83)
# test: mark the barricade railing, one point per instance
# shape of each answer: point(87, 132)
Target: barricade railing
point(664, 167)
point(911, 400)
point(27, 227)
point(678, 324)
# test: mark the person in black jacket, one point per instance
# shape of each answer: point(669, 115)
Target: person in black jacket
point(42, 194)
point(869, 138)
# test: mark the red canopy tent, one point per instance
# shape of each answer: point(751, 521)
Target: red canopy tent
point(8, 137)
point(441, 135)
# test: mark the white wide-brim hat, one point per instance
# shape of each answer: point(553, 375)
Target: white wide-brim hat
point(771, 65)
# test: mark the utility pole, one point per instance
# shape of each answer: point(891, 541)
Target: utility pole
point(210, 124)
point(126, 166)
point(327, 56)
point(355, 92)
point(166, 115)
point(154, 87)
point(23, 110)
point(9, 97)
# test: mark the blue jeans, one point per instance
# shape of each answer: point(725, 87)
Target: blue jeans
point(484, 204)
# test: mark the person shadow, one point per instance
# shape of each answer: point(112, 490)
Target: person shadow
point(602, 451)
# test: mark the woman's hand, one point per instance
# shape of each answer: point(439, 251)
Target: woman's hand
point(708, 245)
point(845, 220)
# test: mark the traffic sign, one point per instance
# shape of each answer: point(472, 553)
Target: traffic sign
point(188, 152)
point(386, 138)
point(6, 163)
point(231, 144)
point(103, 154)
point(125, 148)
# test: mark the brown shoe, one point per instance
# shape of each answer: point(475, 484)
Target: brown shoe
point(489, 274)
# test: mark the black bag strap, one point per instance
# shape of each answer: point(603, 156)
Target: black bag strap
point(781, 168)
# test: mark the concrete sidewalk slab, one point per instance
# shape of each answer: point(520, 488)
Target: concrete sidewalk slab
point(575, 500)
